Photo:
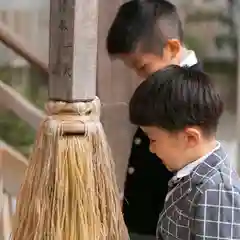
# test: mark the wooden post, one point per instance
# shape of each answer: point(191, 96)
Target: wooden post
point(73, 49)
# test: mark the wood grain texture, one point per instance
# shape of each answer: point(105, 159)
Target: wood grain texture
point(73, 49)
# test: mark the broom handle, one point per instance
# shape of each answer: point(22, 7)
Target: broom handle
point(73, 50)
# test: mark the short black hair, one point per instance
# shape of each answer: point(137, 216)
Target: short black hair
point(144, 24)
point(177, 97)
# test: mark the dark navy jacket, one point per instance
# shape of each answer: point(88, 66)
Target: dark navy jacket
point(146, 186)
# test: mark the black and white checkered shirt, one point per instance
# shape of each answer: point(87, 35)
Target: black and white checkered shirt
point(205, 205)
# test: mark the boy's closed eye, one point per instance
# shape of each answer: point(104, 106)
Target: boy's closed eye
point(143, 67)
point(152, 140)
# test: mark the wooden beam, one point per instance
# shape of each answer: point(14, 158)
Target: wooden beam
point(73, 49)
point(12, 41)
point(14, 101)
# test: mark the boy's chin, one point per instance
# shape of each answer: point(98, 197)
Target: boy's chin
point(170, 169)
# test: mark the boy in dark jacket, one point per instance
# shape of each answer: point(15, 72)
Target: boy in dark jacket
point(146, 35)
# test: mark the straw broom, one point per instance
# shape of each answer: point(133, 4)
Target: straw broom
point(70, 190)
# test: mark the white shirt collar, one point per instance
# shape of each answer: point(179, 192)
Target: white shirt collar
point(189, 168)
point(188, 58)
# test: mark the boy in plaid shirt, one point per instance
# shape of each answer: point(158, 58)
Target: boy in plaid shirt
point(179, 109)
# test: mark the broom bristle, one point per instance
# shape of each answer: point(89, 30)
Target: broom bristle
point(70, 190)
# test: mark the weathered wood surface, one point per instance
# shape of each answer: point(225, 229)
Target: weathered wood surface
point(115, 85)
point(73, 49)
point(12, 100)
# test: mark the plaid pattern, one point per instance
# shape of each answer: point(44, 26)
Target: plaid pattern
point(204, 205)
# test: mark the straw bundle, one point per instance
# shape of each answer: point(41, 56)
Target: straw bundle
point(70, 190)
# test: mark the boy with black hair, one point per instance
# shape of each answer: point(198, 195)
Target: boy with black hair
point(179, 110)
point(146, 35)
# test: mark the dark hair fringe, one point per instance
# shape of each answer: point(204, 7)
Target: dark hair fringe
point(174, 98)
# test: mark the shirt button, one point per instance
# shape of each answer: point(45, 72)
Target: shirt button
point(131, 170)
point(137, 141)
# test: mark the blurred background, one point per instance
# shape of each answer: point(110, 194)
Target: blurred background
point(212, 29)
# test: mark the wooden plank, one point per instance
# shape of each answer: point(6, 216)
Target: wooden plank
point(73, 49)
point(7, 218)
point(14, 165)
point(17, 156)
point(11, 99)
point(12, 41)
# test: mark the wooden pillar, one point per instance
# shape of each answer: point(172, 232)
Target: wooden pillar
point(115, 85)
point(73, 49)
point(74, 61)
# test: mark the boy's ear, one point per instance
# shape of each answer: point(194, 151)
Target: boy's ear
point(173, 47)
point(192, 135)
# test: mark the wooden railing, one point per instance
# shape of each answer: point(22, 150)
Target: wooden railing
point(7, 215)
point(12, 41)
point(20, 106)
point(12, 169)
point(12, 163)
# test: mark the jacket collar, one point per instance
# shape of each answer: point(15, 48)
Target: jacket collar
point(210, 164)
